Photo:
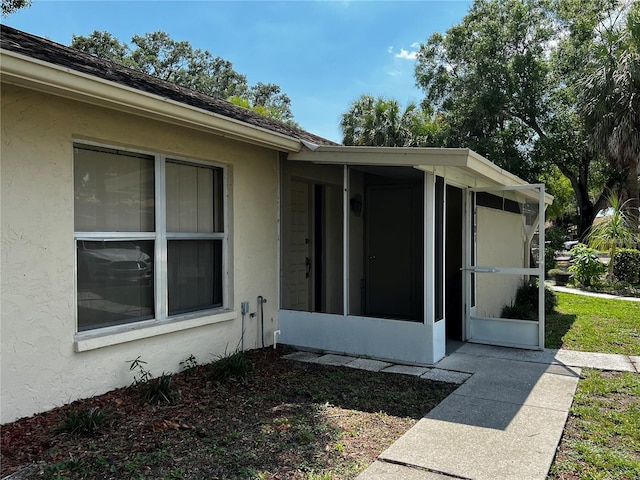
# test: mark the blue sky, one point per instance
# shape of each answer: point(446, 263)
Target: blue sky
point(323, 54)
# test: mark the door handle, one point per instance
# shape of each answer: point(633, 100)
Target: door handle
point(307, 262)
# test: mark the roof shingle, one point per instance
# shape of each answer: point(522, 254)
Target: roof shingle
point(51, 52)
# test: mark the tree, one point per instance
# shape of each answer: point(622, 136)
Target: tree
point(102, 45)
point(610, 89)
point(615, 230)
point(382, 122)
point(10, 6)
point(496, 80)
point(157, 54)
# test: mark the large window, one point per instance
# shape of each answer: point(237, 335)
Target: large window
point(149, 236)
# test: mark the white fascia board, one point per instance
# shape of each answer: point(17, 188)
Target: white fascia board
point(386, 156)
point(32, 73)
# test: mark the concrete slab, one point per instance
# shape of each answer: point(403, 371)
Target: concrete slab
point(522, 383)
point(302, 356)
point(457, 362)
point(480, 350)
point(406, 370)
point(482, 453)
point(391, 471)
point(636, 362)
point(601, 361)
point(367, 364)
point(333, 359)
point(446, 376)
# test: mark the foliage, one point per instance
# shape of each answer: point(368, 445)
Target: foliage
point(518, 311)
point(614, 231)
point(609, 81)
point(502, 79)
point(153, 390)
point(86, 421)
point(549, 259)
point(157, 54)
point(10, 6)
point(234, 365)
point(592, 324)
point(627, 265)
point(525, 305)
point(381, 122)
point(556, 236)
point(586, 265)
point(189, 363)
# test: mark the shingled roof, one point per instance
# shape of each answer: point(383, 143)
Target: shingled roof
point(51, 52)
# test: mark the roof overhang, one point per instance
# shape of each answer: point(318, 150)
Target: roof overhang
point(462, 165)
point(24, 71)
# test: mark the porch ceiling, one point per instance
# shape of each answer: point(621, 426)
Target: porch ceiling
point(462, 165)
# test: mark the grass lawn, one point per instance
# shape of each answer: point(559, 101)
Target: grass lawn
point(602, 437)
point(592, 324)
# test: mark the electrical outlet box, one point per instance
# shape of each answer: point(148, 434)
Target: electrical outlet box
point(244, 307)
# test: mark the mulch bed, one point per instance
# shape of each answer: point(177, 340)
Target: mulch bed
point(285, 420)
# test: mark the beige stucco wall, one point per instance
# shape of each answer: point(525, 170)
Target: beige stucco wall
point(500, 243)
point(39, 367)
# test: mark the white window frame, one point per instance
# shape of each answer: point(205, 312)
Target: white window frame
point(162, 322)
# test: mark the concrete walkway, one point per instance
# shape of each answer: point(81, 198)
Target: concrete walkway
point(504, 421)
point(576, 291)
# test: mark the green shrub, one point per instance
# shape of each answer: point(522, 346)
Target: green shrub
point(525, 305)
point(518, 311)
point(527, 294)
point(234, 365)
point(626, 265)
point(587, 267)
point(85, 421)
point(153, 390)
point(549, 259)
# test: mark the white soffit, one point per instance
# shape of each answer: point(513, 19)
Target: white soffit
point(463, 164)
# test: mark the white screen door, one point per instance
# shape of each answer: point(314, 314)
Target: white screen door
point(505, 253)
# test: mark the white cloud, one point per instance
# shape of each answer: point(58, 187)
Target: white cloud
point(406, 54)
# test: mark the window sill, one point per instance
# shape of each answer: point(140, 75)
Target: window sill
point(86, 341)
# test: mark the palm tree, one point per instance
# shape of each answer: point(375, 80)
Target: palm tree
point(611, 98)
point(615, 231)
point(381, 122)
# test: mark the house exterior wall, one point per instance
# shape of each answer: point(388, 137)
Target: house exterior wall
point(39, 367)
point(500, 243)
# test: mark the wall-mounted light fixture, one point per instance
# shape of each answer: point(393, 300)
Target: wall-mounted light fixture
point(356, 204)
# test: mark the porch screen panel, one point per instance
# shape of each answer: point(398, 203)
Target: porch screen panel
point(312, 238)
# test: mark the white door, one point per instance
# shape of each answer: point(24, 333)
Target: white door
point(299, 265)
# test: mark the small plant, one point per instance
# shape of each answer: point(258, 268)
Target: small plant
point(86, 421)
point(153, 390)
point(519, 312)
point(233, 365)
point(587, 266)
point(189, 363)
